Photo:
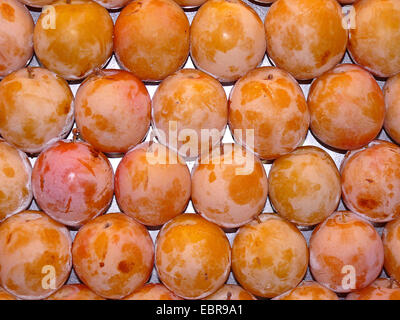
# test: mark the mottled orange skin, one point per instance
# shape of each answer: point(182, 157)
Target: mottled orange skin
point(36, 109)
point(113, 4)
point(226, 39)
point(231, 292)
point(269, 256)
point(72, 182)
point(269, 101)
point(15, 180)
point(391, 91)
point(16, 36)
point(375, 42)
point(29, 242)
point(112, 110)
point(344, 239)
point(151, 38)
point(391, 244)
point(74, 292)
point(152, 184)
point(229, 186)
point(153, 291)
point(193, 256)
point(190, 3)
point(308, 290)
point(304, 186)
point(347, 107)
point(4, 295)
point(371, 181)
point(305, 37)
point(113, 255)
point(81, 41)
point(195, 101)
point(380, 289)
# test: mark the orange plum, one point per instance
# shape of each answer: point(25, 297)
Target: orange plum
point(72, 182)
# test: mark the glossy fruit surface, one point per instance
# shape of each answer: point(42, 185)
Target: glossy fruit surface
point(15, 180)
point(269, 104)
point(375, 41)
point(72, 182)
point(346, 252)
point(16, 36)
point(186, 106)
point(380, 289)
point(391, 244)
point(36, 109)
point(305, 37)
point(227, 39)
point(347, 107)
point(269, 270)
point(229, 186)
point(391, 92)
point(151, 38)
point(193, 256)
point(112, 110)
point(113, 255)
point(74, 38)
point(35, 255)
point(371, 181)
point(152, 184)
point(304, 185)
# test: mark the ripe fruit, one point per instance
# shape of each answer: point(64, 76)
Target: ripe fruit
point(305, 37)
point(391, 244)
point(269, 256)
point(72, 182)
point(74, 292)
point(151, 38)
point(371, 181)
point(113, 255)
point(152, 291)
point(15, 180)
point(4, 295)
point(74, 38)
point(380, 289)
point(193, 256)
point(391, 92)
point(152, 184)
point(308, 290)
point(347, 107)
point(304, 186)
point(229, 186)
point(35, 109)
point(346, 252)
point(35, 254)
point(16, 36)
point(375, 41)
point(112, 110)
point(231, 292)
point(185, 105)
point(270, 102)
point(226, 39)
